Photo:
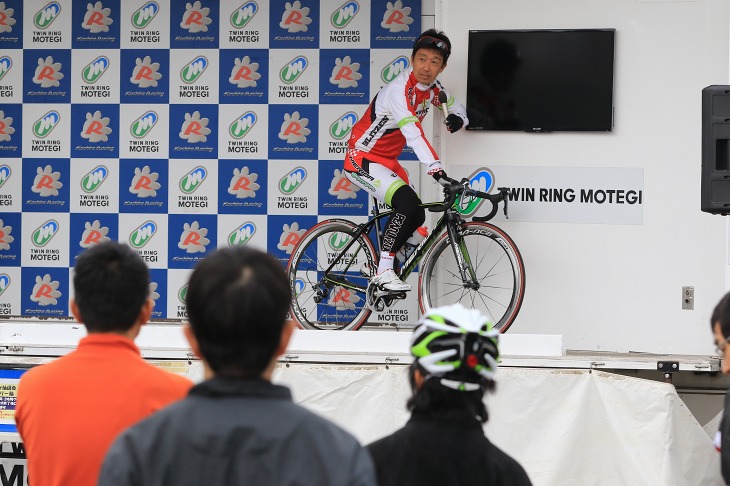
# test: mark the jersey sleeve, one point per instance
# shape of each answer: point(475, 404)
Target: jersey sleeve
point(411, 128)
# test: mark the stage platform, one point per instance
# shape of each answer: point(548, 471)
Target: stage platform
point(36, 339)
point(570, 417)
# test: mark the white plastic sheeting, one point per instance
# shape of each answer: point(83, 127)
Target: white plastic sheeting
point(566, 427)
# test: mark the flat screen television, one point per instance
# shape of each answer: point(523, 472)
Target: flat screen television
point(540, 80)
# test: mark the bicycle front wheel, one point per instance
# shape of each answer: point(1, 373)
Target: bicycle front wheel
point(334, 299)
point(497, 265)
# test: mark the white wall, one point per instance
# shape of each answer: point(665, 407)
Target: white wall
point(616, 287)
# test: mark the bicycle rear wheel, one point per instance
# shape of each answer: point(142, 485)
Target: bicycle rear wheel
point(335, 299)
point(497, 263)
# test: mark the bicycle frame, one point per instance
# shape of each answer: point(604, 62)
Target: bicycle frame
point(450, 219)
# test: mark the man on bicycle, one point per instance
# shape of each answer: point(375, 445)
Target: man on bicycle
point(393, 120)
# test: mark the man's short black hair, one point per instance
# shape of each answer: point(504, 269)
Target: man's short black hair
point(436, 41)
point(238, 300)
point(721, 314)
point(111, 284)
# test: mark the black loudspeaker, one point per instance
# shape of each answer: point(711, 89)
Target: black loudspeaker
point(716, 150)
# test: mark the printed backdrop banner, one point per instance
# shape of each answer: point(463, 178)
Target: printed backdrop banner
point(179, 127)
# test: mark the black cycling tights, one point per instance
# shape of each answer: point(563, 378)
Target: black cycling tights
point(407, 217)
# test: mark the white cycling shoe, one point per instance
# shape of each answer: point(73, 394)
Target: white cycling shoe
point(388, 280)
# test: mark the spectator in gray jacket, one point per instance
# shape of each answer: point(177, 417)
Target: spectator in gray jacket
point(236, 427)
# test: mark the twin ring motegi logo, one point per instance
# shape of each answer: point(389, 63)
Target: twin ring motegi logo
point(4, 282)
point(5, 174)
point(44, 233)
point(143, 16)
point(394, 68)
point(242, 125)
point(190, 74)
point(91, 73)
point(292, 181)
point(45, 124)
point(142, 234)
point(94, 178)
point(288, 185)
point(241, 17)
point(342, 16)
point(139, 129)
point(142, 125)
point(289, 74)
point(481, 180)
point(242, 235)
point(44, 17)
point(5, 64)
point(191, 181)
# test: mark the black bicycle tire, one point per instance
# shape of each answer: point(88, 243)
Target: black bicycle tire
point(496, 234)
point(309, 238)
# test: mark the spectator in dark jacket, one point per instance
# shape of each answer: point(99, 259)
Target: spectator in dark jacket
point(720, 323)
point(455, 356)
point(236, 427)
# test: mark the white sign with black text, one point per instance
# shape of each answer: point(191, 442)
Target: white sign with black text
point(593, 195)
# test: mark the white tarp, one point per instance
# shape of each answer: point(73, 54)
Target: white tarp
point(566, 427)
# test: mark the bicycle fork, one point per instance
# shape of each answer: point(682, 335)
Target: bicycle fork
point(458, 246)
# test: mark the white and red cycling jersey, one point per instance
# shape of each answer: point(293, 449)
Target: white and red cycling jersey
point(393, 120)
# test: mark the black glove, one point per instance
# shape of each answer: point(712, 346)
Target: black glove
point(454, 123)
point(440, 177)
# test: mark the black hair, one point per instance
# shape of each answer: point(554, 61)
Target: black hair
point(434, 399)
point(423, 43)
point(721, 315)
point(238, 300)
point(111, 285)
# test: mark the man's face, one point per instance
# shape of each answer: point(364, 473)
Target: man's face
point(723, 348)
point(427, 65)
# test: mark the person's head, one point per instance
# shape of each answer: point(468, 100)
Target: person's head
point(237, 301)
point(720, 324)
point(111, 288)
point(455, 354)
point(430, 53)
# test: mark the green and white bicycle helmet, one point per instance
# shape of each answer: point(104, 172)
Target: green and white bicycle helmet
point(458, 346)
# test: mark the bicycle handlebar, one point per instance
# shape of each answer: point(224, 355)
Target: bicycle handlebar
point(453, 188)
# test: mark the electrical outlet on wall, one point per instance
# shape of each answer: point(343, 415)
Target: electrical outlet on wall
point(688, 298)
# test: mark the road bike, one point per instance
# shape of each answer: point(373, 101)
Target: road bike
point(475, 263)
